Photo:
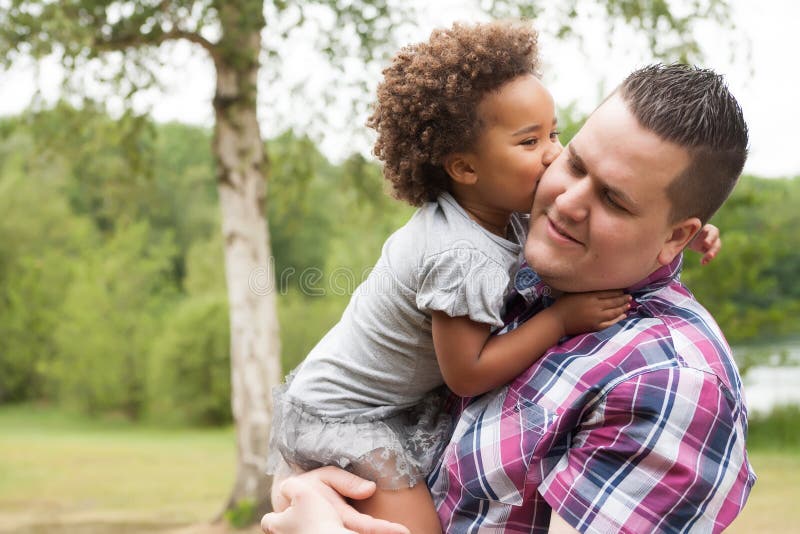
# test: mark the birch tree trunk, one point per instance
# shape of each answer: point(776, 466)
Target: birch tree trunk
point(241, 175)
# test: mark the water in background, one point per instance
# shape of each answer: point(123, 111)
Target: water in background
point(771, 374)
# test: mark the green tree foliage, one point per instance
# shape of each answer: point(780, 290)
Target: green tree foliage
point(188, 377)
point(110, 313)
point(302, 211)
point(752, 287)
point(39, 237)
point(189, 373)
point(108, 187)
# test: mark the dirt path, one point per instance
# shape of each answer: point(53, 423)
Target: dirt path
point(108, 523)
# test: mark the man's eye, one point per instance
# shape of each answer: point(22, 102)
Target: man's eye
point(574, 169)
point(611, 202)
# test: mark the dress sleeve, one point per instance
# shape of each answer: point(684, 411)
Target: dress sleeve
point(463, 282)
point(663, 452)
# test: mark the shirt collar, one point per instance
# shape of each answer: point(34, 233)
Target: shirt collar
point(530, 286)
point(660, 277)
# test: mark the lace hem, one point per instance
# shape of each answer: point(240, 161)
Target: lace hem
point(396, 451)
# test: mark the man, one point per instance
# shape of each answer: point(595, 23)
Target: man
point(639, 427)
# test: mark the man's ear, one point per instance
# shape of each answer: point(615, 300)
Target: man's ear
point(459, 166)
point(682, 233)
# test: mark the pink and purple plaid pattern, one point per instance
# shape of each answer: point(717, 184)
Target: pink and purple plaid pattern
point(637, 428)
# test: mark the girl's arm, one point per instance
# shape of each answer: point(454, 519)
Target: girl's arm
point(473, 363)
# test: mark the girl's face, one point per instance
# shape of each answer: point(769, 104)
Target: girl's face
point(518, 142)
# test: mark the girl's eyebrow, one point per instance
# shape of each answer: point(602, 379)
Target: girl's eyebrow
point(528, 129)
point(533, 128)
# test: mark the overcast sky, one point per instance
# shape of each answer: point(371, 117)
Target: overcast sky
point(767, 84)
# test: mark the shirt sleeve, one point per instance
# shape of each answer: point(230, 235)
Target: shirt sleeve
point(463, 282)
point(662, 452)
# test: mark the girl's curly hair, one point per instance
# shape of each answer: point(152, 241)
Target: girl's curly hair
point(427, 104)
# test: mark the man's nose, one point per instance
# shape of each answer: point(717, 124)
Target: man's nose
point(572, 201)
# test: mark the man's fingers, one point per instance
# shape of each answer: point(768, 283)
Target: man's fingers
point(310, 511)
point(346, 483)
point(292, 487)
point(275, 522)
point(365, 524)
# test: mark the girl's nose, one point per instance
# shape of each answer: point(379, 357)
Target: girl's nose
point(551, 153)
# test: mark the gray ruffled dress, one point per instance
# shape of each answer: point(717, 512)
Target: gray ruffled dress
point(369, 396)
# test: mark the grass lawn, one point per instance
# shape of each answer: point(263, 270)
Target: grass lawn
point(78, 475)
point(771, 506)
point(66, 474)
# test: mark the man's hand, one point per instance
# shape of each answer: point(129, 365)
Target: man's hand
point(315, 502)
point(308, 512)
point(707, 242)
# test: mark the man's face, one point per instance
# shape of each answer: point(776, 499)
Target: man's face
point(600, 219)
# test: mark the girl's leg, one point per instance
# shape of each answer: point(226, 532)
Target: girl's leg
point(411, 507)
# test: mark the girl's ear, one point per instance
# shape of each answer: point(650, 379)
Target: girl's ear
point(682, 233)
point(459, 166)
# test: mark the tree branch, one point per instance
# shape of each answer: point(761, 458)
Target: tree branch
point(135, 40)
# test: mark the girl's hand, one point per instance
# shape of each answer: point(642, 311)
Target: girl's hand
point(589, 312)
point(707, 243)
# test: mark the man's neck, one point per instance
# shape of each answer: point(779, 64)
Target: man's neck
point(657, 276)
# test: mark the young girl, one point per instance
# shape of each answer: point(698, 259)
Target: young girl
point(465, 130)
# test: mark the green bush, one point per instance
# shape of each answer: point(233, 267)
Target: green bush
point(779, 429)
point(189, 373)
point(243, 515)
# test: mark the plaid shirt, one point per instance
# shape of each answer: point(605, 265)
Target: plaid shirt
point(637, 428)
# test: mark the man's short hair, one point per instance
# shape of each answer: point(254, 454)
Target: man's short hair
point(693, 108)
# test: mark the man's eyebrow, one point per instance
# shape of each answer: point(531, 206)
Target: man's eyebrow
point(620, 195)
point(532, 128)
